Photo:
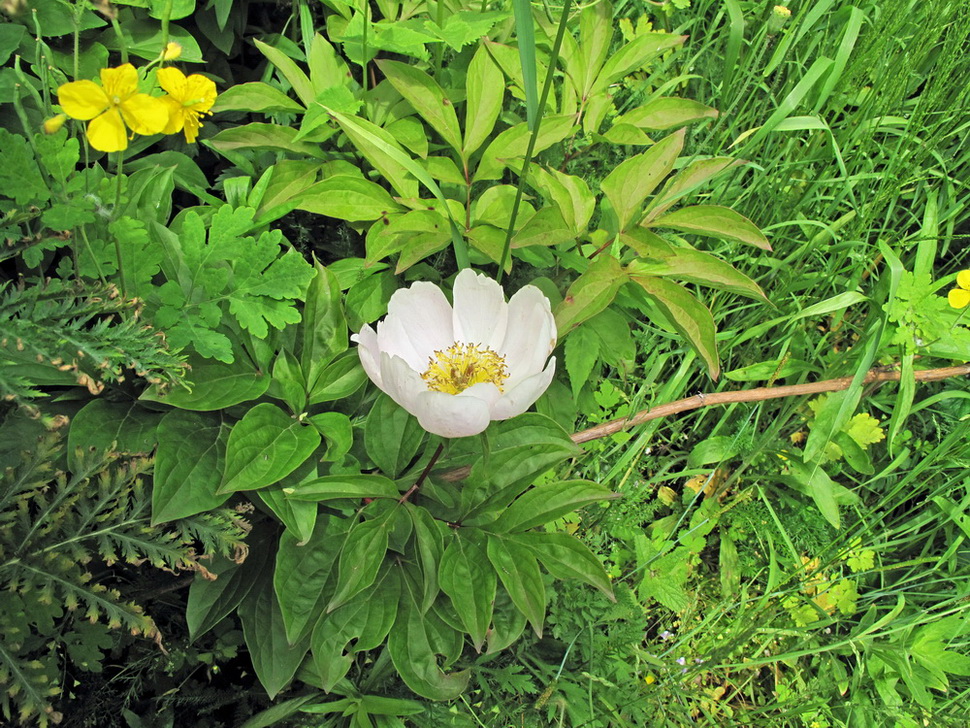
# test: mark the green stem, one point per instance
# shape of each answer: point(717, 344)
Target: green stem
point(546, 86)
point(118, 183)
point(122, 47)
point(166, 15)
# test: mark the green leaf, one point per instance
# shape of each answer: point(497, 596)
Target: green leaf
point(430, 542)
point(666, 112)
point(547, 502)
point(360, 558)
point(257, 97)
point(566, 557)
point(699, 267)
point(123, 427)
point(392, 436)
point(714, 221)
point(296, 77)
point(582, 351)
point(188, 465)
point(324, 328)
point(465, 26)
point(686, 180)
point(632, 181)
point(262, 136)
point(274, 659)
point(810, 479)
point(265, 446)
point(427, 98)
point(382, 151)
point(347, 198)
point(20, 177)
point(569, 193)
point(468, 578)
point(410, 647)
point(589, 294)
point(333, 487)
point(633, 56)
point(215, 595)
point(341, 378)
point(509, 147)
point(519, 572)
point(367, 619)
point(485, 92)
point(687, 315)
point(302, 571)
point(214, 386)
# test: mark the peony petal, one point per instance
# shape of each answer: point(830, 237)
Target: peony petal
point(451, 415)
point(531, 335)
point(522, 396)
point(959, 297)
point(145, 114)
point(481, 313)
point(424, 314)
point(401, 382)
point(82, 99)
point(395, 339)
point(120, 82)
point(107, 133)
point(963, 279)
point(172, 81)
point(370, 354)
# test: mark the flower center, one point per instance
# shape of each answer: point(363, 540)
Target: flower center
point(461, 366)
point(116, 100)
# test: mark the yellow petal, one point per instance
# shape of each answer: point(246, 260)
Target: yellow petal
point(172, 82)
point(145, 114)
point(107, 132)
point(959, 297)
point(120, 82)
point(172, 51)
point(963, 279)
point(82, 99)
point(176, 117)
point(200, 92)
point(191, 126)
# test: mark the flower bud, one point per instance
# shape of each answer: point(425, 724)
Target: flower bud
point(780, 15)
point(172, 51)
point(54, 124)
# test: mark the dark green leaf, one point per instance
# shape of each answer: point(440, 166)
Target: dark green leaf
point(392, 436)
point(518, 570)
point(468, 578)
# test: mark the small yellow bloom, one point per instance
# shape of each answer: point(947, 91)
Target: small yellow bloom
point(54, 124)
point(111, 106)
point(172, 51)
point(187, 100)
point(650, 679)
point(959, 297)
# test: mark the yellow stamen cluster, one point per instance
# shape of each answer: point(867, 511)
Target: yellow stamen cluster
point(461, 366)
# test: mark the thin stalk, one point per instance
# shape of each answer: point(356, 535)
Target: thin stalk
point(118, 182)
point(122, 47)
point(424, 473)
point(523, 176)
point(166, 16)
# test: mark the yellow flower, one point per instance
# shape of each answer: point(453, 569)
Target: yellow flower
point(112, 105)
point(959, 297)
point(188, 99)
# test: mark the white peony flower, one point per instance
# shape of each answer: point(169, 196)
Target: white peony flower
point(457, 369)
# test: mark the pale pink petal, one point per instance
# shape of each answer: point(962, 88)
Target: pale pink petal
point(423, 312)
point(481, 313)
point(531, 335)
point(451, 415)
point(518, 399)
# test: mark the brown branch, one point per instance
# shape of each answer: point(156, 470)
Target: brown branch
point(760, 394)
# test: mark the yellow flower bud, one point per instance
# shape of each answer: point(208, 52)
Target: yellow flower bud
point(54, 124)
point(172, 51)
point(779, 16)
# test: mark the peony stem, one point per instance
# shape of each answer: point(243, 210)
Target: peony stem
point(424, 473)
